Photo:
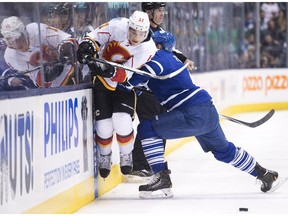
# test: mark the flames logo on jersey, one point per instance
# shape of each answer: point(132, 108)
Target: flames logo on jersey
point(49, 54)
point(116, 53)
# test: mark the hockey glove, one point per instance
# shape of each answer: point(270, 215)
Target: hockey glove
point(23, 82)
point(87, 48)
point(107, 71)
point(101, 69)
point(52, 71)
point(67, 51)
point(16, 81)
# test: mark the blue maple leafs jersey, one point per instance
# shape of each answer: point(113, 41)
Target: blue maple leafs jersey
point(176, 91)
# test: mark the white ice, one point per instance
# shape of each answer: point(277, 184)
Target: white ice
point(204, 186)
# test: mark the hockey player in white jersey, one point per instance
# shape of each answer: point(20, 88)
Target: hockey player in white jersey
point(24, 46)
point(59, 15)
point(125, 41)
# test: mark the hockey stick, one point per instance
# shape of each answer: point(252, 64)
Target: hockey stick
point(248, 124)
point(251, 124)
point(19, 73)
point(134, 70)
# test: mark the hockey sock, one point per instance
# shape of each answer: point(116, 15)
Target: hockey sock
point(244, 161)
point(104, 145)
point(125, 142)
point(154, 152)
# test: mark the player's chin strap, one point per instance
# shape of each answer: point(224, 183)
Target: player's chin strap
point(137, 71)
point(152, 20)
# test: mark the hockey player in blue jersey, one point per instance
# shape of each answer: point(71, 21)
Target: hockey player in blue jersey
point(147, 104)
point(190, 113)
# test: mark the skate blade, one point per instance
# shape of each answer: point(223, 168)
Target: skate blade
point(159, 194)
point(135, 179)
point(277, 184)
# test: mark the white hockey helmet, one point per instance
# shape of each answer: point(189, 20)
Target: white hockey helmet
point(12, 27)
point(139, 20)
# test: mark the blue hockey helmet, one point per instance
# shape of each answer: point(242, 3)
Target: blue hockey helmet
point(165, 39)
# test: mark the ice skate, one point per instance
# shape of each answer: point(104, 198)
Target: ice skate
point(105, 165)
point(270, 181)
point(158, 187)
point(141, 176)
point(267, 180)
point(138, 176)
point(166, 167)
point(126, 163)
point(142, 173)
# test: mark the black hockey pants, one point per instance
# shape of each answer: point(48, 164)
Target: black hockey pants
point(147, 107)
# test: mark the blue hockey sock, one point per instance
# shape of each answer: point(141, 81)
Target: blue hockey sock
point(154, 152)
point(244, 161)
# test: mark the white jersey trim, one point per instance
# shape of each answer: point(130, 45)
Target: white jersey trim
point(151, 70)
point(182, 101)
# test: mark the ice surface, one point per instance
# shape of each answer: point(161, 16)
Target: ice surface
point(204, 186)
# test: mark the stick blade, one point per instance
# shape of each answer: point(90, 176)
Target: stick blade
point(252, 124)
point(263, 120)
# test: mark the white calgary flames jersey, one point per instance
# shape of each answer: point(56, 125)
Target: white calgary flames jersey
point(50, 39)
point(115, 47)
